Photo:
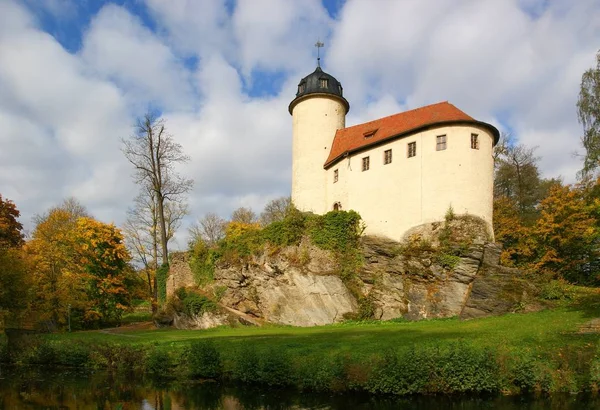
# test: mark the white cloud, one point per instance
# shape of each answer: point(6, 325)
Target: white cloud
point(514, 63)
point(119, 48)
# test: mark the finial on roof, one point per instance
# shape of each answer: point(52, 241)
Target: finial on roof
point(319, 44)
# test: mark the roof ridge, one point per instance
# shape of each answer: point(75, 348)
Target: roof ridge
point(404, 112)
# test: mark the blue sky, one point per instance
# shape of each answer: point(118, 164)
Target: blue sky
point(75, 74)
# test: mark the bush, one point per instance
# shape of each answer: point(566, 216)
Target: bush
point(458, 368)
point(336, 231)
point(158, 364)
point(202, 263)
point(161, 282)
point(196, 304)
point(275, 369)
point(246, 365)
point(204, 360)
point(288, 231)
point(118, 358)
point(556, 290)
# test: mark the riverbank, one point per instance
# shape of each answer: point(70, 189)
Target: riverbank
point(546, 351)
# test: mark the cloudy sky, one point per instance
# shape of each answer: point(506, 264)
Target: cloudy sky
point(75, 74)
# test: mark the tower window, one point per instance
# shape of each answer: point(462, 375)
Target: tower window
point(324, 82)
point(412, 149)
point(440, 143)
point(474, 141)
point(387, 157)
point(365, 164)
point(335, 176)
point(301, 88)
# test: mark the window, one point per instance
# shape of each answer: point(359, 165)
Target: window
point(337, 206)
point(365, 164)
point(335, 176)
point(412, 149)
point(324, 82)
point(387, 157)
point(474, 141)
point(369, 134)
point(440, 143)
point(301, 88)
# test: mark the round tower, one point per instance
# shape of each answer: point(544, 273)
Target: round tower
point(318, 111)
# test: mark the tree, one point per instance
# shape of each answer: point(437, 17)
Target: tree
point(243, 215)
point(588, 113)
point(210, 229)
point(142, 233)
point(10, 227)
point(276, 210)
point(566, 234)
point(154, 154)
point(103, 257)
point(79, 265)
point(14, 266)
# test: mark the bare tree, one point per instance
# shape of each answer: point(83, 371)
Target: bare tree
point(243, 215)
point(210, 229)
point(276, 210)
point(154, 154)
point(142, 232)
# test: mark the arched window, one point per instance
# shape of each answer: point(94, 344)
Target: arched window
point(337, 206)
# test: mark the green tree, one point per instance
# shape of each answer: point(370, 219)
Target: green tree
point(588, 113)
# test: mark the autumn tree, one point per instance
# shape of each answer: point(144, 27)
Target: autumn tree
point(154, 154)
point(102, 256)
point(588, 113)
point(10, 227)
point(243, 215)
point(566, 235)
point(276, 210)
point(210, 229)
point(14, 266)
point(78, 265)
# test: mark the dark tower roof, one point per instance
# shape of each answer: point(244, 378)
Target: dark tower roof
point(319, 83)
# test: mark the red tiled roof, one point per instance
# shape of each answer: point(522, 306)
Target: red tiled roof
point(353, 139)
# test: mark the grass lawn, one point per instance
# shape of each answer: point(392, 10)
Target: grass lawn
point(542, 333)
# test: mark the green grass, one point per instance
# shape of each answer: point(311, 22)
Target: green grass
point(517, 352)
point(543, 332)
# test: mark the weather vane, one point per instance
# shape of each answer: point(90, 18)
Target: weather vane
point(319, 44)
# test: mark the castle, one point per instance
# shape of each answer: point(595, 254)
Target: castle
point(397, 172)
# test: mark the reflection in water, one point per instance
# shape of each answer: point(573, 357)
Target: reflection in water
point(42, 390)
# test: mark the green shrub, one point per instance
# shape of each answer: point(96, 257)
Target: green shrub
point(43, 354)
point(117, 357)
point(321, 374)
point(246, 365)
point(202, 263)
point(74, 354)
point(458, 368)
point(275, 369)
point(195, 304)
point(161, 282)
point(204, 360)
point(447, 261)
point(405, 374)
point(336, 231)
point(464, 369)
point(556, 290)
point(158, 364)
point(288, 231)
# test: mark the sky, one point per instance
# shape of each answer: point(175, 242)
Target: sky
point(76, 74)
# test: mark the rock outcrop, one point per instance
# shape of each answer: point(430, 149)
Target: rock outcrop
point(299, 285)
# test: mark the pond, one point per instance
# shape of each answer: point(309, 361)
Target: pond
point(67, 390)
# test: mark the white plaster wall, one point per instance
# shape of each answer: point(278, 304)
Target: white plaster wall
point(315, 121)
point(395, 197)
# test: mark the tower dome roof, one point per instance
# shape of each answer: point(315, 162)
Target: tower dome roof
point(319, 83)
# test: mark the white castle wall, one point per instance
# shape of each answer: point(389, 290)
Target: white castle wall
point(408, 192)
point(315, 121)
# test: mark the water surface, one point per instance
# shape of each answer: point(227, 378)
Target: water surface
point(36, 390)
